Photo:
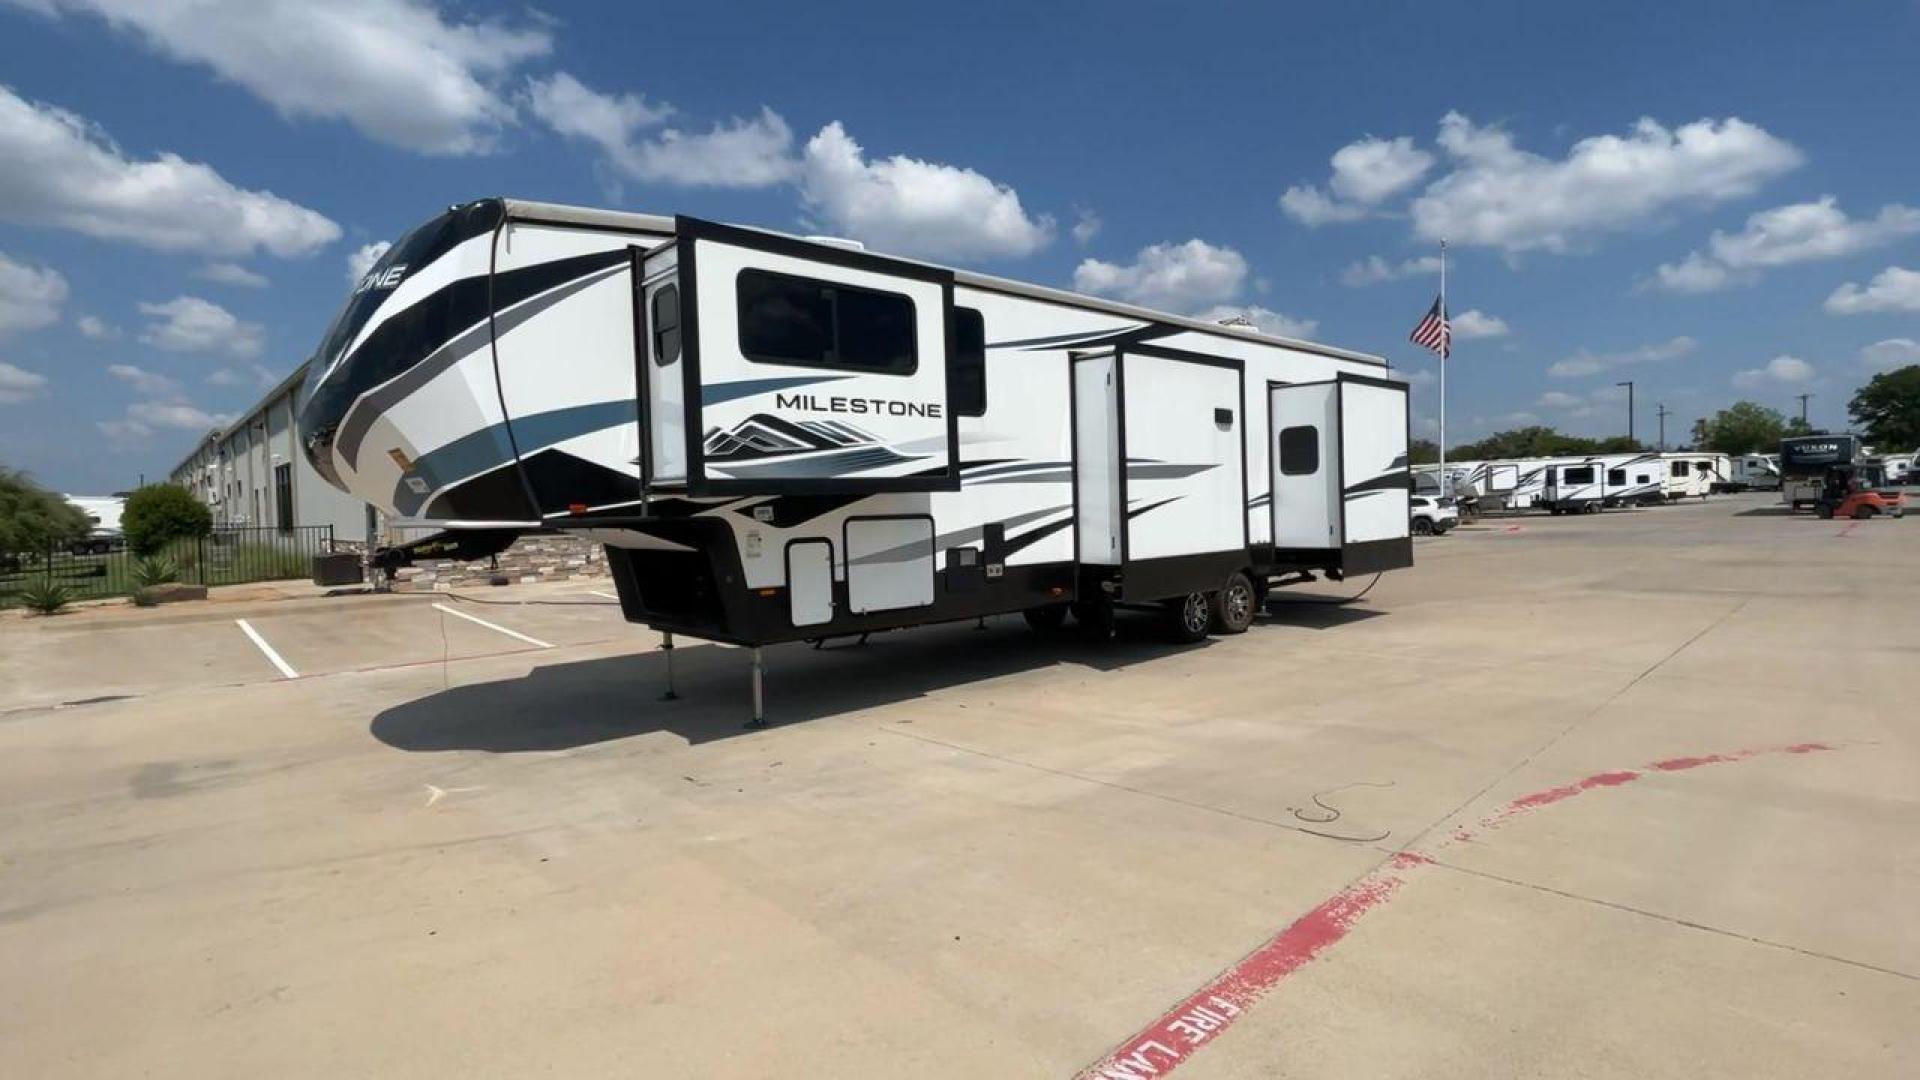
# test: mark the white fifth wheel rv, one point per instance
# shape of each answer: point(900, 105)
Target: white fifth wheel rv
point(1586, 485)
point(1691, 475)
point(780, 439)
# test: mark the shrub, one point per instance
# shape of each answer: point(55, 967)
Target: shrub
point(35, 519)
point(155, 570)
point(144, 598)
point(159, 514)
point(45, 597)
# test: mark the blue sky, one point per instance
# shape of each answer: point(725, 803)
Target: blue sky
point(1716, 200)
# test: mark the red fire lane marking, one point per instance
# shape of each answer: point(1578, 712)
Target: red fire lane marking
point(1167, 1043)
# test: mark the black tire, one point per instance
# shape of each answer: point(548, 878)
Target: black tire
point(1189, 617)
point(1234, 606)
point(1824, 511)
point(1862, 513)
point(1422, 526)
point(1046, 620)
point(1590, 508)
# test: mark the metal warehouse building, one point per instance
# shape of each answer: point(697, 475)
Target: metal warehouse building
point(252, 473)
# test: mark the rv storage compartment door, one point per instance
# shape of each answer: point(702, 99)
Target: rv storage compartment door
point(810, 581)
point(1303, 433)
point(812, 368)
point(1182, 481)
point(1375, 481)
point(1096, 460)
point(889, 563)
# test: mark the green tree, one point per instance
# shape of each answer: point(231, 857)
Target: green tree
point(1887, 409)
point(1540, 441)
point(33, 518)
point(1745, 427)
point(1423, 452)
point(158, 514)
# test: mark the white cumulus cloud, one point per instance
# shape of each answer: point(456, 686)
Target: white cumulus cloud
point(1086, 226)
point(1262, 319)
point(1892, 289)
point(1589, 363)
point(1779, 371)
point(18, 385)
point(58, 169)
point(226, 273)
point(1171, 277)
point(914, 207)
point(1475, 323)
point(148, 384)
point(404, 72)
point(30, 296)
point(1799, 232)
point(745, 152)
point(1500, 196)
point(1373, 270)
point(1366, 173)
point(191, 324)
point(1889, 354)
point(92, 326)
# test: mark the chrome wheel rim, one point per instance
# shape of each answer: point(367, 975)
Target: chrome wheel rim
point(1193, 613)
point(1240, 603)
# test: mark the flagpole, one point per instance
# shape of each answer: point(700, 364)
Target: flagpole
point(1446, 346)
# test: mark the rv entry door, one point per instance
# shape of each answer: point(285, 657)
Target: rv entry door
point(1304, 451)
point(811, 367)
point(1341, 484)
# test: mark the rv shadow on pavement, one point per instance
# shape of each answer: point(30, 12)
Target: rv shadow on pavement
point(561, 706)
point(1776, 511)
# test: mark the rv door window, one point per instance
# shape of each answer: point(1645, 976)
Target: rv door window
point(1616, 477)
point(804, 322)
point(666, 325)
point(1299, 450)
point(1579, 474)
point(969, 391)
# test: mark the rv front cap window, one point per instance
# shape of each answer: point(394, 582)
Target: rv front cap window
point(666, 325)
point(805, 322)
point(1299, 450)
point(969, 390)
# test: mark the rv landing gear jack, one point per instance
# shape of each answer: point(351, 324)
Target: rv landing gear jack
point(666, 646)
point(759, 673)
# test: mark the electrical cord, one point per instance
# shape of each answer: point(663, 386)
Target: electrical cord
point(1332, 600)
point(1332, 813)
point(529, 603)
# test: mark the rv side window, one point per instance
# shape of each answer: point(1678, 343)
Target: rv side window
point(1702, 466)
point(1299, 450)
point(666, 325)
point(969, 391)
point(1643, 478)
point(1617, 477)
point(1582, 474)
point(810, 323)
point(1679, 469)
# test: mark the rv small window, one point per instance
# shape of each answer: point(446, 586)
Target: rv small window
point(1617, 477)
point(666, 325)
point(1679, 469)
point(810, 323)
point(1582, 474)
point(1299, 450)
point(969, 363)
point(1702, 467)
point(1643, 478)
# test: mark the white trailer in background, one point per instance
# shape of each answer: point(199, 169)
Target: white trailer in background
point(1691, 475)
point(779, 439)
point(1587, 485)
point(1750, 472)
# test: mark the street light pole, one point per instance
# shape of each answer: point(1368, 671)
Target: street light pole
point(1663, 412)
point(1629, 385)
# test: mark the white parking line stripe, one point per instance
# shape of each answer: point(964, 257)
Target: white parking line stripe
point(274, 657)
point(491, 626)
point(608, 595)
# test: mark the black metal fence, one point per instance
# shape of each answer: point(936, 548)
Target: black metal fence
point(230, 555)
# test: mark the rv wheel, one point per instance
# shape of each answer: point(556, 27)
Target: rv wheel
point(1233, 606)
point(1046, 619)
point(1824, 511)
point(1862, 513)
point(1190, 617)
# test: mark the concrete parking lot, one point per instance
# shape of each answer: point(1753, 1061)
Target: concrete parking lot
point(1623, 795)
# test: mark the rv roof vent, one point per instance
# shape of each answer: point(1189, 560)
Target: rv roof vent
point(839, 242)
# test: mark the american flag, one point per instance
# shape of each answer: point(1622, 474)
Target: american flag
point(1434, 332)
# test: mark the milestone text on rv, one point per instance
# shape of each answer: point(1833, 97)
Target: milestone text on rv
point(779, 439)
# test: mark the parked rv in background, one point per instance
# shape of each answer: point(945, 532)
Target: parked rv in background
point(1750, 472)
point(104, 512)
point(1691, 475)
point(1804, 461)
point(1586, 485)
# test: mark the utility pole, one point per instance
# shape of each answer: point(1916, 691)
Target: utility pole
point(1663, 412)
point(1803, 408)
point(1629, 385)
